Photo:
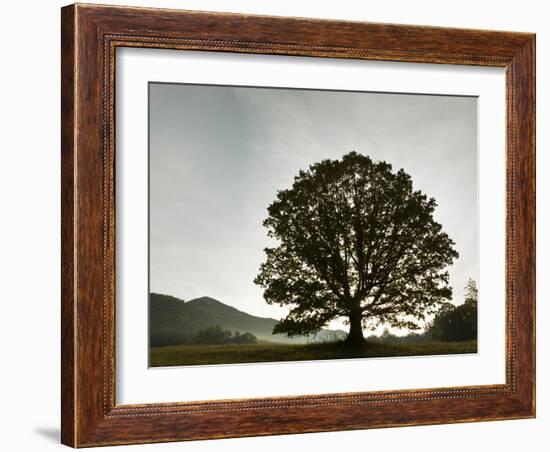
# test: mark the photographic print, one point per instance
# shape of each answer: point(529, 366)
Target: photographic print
point(247, 196)
point(297, 224)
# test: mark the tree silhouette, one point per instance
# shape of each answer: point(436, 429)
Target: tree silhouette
point(457, 323)
point(216, 335)
point(470, 293)
point(355, 241)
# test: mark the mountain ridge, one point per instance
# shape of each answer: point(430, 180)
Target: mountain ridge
point(173, 321)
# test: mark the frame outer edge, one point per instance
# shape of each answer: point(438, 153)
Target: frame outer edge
point(534, 226)
point(525, 62)
point(68, 242)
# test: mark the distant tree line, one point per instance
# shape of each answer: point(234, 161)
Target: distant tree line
point(457, 323)
point(212, 335)
point(451, 323)
point(216, 335)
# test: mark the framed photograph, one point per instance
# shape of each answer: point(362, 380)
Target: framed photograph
point(280, 225)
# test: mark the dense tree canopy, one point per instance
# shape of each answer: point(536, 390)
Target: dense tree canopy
point(457, 323)
point(354, 241)
point(216, 335)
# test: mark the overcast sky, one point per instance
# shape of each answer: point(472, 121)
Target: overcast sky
point(218, 155)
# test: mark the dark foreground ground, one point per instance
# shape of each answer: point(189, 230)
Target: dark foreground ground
point(185, 355)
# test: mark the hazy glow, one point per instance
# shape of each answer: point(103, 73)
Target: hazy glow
point(218, 155)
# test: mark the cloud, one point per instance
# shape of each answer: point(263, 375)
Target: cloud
point(218, 155)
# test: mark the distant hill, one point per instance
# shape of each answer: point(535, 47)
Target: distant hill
point(173, 321)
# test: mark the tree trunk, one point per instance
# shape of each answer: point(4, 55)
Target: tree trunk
point(355, 336)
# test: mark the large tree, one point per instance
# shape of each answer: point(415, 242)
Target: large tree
point(354, 241)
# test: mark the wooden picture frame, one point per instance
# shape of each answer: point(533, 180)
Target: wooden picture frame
point(90, 35)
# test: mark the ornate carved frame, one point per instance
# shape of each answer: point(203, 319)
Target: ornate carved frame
point(90, 36)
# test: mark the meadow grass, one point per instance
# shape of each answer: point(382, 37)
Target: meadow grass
point(181, 355)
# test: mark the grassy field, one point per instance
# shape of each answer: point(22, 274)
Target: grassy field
point(229, 354)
